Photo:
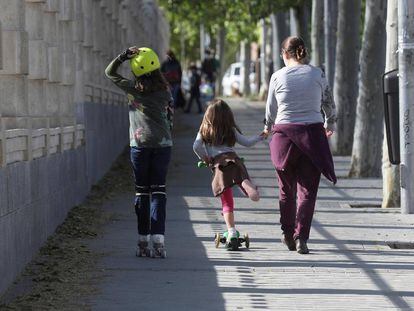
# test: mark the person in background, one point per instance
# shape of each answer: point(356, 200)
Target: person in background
point(195, 82)
point(209, 67)
point(171, 69)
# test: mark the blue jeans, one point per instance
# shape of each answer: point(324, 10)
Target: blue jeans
point(150, 170)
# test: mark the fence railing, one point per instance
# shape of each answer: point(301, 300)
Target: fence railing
point(24, 144)
point(18, 145)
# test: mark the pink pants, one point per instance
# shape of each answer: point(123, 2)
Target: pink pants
point(227, 202)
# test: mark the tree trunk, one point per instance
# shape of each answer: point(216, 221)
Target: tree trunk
point(330, 35)
point(346, 74)
point(294, 22)
point(202, 42)
point(299, 18)
point(221, 39)
point(245, 59)
point(263, 61)
point(367, 148)
point(317, 33)
point(406, 94)
point(390, 173)
point(279, 33)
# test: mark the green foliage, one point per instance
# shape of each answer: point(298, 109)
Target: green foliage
point(239, 17)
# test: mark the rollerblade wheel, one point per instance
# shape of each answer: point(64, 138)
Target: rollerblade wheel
point(217, 240)
point(246, 240)
point(163, 253)
point(148, 252)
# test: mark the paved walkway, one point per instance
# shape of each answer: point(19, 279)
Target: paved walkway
point(349, 268)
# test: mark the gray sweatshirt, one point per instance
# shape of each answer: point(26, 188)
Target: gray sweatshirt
point(299, 94)
point(202, 150)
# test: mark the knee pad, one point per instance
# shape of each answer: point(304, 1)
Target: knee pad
point(141, 193)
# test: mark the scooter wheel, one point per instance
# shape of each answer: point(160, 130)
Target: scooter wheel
point(217, 240)
point(246, 240)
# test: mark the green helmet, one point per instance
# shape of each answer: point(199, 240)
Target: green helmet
point(144, 62)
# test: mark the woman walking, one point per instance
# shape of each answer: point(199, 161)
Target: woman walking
point(300, 115)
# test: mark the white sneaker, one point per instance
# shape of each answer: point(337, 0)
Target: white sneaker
point(232, 233)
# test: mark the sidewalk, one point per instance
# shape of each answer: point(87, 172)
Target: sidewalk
point(349, 268)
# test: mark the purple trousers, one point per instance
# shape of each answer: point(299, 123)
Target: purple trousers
point(298, 186)
point(300, 153)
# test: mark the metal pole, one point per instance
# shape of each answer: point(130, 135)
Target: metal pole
point(406, 90)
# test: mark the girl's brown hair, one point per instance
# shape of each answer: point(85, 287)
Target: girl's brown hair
point(218, 125)
point(295, 47)
point(151, 82)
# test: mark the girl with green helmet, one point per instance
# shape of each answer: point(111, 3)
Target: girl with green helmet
point(150, 118)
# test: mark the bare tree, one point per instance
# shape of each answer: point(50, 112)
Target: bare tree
point(330, 8)
point(279, 33)
point(245, 59)
point(221, 39)
point(390, 173)
point(368, 137)
point(317, 33)
point(299, 18)
point(346, 74)
point(263, 59)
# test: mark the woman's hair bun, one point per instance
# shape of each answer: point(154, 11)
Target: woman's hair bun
point(300, 52)
point(295, 47)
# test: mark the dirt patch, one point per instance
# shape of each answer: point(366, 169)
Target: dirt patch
point(64, 271)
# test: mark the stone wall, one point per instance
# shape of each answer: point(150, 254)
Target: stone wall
point(62, 123)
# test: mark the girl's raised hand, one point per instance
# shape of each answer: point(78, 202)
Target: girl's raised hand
point(128, 53)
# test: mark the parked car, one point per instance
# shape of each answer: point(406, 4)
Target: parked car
point(232, 80)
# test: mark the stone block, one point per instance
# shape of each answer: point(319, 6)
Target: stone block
point(39, 176)
point(12, 14)
point(3, 192)
point(38, 57)
point(68, 68)
point(66, 36)
point(36, 98)
point(13, 99)
point(66, 103)
point(52, 98)
point(54, 64)
point(1, 48)
point(51, 24)
point(15, 50)
point(34, 20)
point(52, 6)
point(67, 10)
point(79, 24)
point(79, 87)
point(18, 176)
point(8, 269)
